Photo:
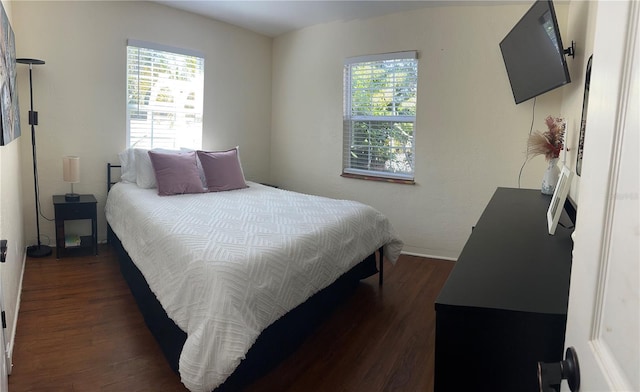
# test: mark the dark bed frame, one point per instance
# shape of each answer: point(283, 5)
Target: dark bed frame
point(273, 345)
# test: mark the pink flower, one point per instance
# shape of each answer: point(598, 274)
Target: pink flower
point(548, 143)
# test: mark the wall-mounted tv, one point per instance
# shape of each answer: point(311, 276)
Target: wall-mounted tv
point(533, 53)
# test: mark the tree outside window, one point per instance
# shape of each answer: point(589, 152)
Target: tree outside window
point(380, 110)
point(164, 97)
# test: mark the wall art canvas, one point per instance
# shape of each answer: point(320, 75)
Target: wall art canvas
point(583, 123)
point(9, 110)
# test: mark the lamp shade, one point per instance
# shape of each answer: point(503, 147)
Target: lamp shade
point(71, 169)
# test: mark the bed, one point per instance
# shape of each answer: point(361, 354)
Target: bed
point(231, 282)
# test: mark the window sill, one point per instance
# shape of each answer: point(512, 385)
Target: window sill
point(376, 178)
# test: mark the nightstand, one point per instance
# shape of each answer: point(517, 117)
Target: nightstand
point(85, 208)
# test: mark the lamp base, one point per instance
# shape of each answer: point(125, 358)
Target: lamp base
point(38, 250)
point(71, 197)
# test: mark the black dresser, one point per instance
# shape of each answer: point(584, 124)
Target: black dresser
point(504, 306)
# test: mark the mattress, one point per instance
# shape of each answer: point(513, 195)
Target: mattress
point(226, 265)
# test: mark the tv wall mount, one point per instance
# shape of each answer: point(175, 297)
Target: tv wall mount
point(571, 51)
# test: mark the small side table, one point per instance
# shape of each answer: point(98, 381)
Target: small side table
point(85, 208)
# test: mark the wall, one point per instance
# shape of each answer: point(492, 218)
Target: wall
point(80, 91)
point(11, 221)
point(580, 28)
point(470, 135)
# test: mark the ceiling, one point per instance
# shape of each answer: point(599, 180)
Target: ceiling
point(275, 17)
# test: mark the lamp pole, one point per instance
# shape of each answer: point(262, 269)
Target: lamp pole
point(38, 250)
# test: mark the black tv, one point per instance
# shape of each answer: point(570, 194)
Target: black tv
point(533, 53)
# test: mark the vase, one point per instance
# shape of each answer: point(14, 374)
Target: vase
point(550, 178)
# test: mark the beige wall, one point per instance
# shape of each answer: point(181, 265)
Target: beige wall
point(80, 91)
point(470, 136)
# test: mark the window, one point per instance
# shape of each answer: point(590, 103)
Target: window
point(380, 115)
point(165, 88)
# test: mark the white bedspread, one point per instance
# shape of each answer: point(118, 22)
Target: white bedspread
point(226, 265)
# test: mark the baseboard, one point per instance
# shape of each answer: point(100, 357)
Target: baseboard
point(12, 337)
point(429, 256)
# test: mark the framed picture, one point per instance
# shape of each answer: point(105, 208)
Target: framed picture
point(10, 116)
point(583, 122)
point(557, 201)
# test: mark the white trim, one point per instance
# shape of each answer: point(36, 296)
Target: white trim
point(164, 48)
point(381, 174)
point(412, 54)
point(606, 359)
point(397, 119)
point(610, 366)
point(429, 256)
point(12, 337)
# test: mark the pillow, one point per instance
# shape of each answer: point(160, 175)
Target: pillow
point(176, 173)
point(145, 176)
point(127, 166)
point(222, 170)
point(200, 171)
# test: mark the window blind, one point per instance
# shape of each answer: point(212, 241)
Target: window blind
point(164, 96)
point(379, 115)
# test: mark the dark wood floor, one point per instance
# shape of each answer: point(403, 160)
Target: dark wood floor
point(79, 330)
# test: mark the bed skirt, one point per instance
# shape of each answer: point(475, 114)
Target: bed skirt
point(274, 344)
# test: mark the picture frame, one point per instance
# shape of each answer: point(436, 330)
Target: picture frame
point(9, 110)
point(557, 200)
point(583, 121)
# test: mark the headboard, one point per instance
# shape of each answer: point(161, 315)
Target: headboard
point(110, 181)
point(110, 178)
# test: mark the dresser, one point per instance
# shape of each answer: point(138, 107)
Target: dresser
point(504, 305)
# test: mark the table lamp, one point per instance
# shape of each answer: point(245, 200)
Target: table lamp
point(71, 174)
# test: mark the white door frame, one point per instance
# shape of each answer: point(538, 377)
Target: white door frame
point(604, 297)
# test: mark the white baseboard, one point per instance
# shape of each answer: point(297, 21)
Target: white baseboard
point(429, 256)
point(12, 336)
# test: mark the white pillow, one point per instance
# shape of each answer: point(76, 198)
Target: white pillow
point(145, 175)
point(128, 166)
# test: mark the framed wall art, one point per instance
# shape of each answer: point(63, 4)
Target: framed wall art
point(583, 121)
point(9, 111)
point(557, 201)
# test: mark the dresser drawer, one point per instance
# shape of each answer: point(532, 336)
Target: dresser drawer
point(75, 211)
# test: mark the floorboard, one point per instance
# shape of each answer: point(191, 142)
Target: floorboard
point(79, 330)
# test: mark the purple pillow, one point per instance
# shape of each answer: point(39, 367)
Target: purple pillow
point(176, 173)
point(222, 170)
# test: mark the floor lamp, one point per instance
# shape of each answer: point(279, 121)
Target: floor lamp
point(38, 250)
